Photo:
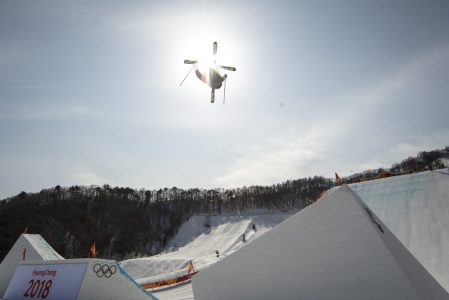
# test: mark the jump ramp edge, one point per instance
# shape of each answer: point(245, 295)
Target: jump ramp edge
point(100, 279)
point(335, 248)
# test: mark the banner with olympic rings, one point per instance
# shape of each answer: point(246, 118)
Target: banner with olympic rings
point(46, 281)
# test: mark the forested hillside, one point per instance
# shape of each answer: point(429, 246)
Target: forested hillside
point(425, 160)
point(125, 222)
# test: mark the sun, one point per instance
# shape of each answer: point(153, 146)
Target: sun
point(195, 42)
point(206, 62)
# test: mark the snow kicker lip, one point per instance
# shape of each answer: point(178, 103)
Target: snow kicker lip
point(334, 249)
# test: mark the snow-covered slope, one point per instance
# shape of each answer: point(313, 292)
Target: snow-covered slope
point(198, 240)
point(415, 208)
point(334, 249)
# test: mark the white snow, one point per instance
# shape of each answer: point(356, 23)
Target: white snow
point(45, 251)
point(179, 292)
point(334, 249)
point(323, 252)
point(197, 240)
point(415, 208)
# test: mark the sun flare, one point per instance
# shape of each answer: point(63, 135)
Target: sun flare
point(205, 63)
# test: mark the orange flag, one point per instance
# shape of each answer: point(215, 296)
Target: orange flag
point(338, 180)
point(93, 251)
point(191, 269)
point(319, 196)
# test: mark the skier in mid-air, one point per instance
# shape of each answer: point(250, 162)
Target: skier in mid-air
point(211, 76)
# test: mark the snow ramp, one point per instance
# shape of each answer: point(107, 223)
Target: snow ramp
point(27, 247)
point(74, 279)
point(415, 208)
point(336, 248)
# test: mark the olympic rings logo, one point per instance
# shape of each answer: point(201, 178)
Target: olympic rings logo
point(104, 270)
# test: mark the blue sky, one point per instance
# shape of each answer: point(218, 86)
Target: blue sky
point(89, 90)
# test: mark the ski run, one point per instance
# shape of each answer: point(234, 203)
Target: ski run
point(379, 239)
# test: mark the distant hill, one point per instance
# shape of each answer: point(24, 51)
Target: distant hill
point(126, 223)
point(435, 159)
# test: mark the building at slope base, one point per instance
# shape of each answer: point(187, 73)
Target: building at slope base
point(336, 248)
